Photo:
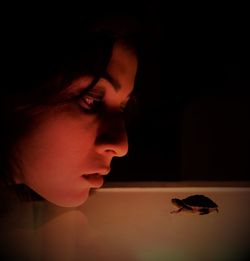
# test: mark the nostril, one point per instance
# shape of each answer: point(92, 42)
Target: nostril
point(112, 136)
point(115, 146)
point(120, 151)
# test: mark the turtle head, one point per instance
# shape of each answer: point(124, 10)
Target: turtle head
point(177, 202)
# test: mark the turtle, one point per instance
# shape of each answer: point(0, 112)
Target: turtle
point(195, 204)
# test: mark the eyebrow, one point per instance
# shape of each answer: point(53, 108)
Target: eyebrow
point(115, 84)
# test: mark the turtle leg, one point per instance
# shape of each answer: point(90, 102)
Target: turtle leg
point(204, 211)
point(176, 211)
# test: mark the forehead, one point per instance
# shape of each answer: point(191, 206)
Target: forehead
point(123, 61)
point(120, 72)
point(123, 66)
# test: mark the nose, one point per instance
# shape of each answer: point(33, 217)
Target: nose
point(112, 137)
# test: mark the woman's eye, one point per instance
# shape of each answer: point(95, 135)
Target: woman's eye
point(89, 103)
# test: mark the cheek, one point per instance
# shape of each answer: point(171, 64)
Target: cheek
point(53, 156)
point(52, 162)
point(57, 146)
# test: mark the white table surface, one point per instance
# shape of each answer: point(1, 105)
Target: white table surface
point(132, 221)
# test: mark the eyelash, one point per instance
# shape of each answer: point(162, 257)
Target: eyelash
point(92, 103)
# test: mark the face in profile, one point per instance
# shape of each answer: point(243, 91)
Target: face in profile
point(70, 147)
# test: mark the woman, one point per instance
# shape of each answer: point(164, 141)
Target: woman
point(63, 113)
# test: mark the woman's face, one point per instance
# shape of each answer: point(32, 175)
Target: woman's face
point(70, 148)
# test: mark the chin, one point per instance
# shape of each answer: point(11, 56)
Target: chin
point(70, 202)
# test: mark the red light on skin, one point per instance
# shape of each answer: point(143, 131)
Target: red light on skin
point(95, 180)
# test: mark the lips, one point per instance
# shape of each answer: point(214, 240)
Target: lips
point(95, 180)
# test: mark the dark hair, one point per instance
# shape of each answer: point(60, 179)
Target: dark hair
point(38, 70)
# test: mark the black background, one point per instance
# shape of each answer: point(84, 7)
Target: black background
point(191, 121)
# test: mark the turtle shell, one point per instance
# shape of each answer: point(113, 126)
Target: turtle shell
point(199, 201)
